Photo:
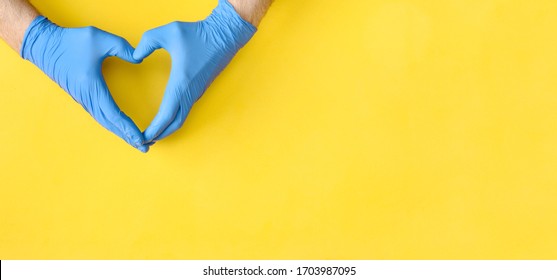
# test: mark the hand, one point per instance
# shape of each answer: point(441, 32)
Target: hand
point(73, 57)
point(199, 52)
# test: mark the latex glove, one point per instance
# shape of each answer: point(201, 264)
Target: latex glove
point(73, 57)
point(199, 52)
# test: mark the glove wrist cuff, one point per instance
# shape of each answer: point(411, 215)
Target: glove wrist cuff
point(238, 29)
point(33, 34)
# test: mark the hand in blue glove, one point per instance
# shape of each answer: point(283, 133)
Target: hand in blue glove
point(199, 52)
point(73, 57)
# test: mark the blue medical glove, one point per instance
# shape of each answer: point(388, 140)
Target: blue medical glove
point(73, 58)
point(199, 52)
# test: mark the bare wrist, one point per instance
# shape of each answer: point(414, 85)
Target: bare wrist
point(252, 11)
point(22, 26)
point(15, 17)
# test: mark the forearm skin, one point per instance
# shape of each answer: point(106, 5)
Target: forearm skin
point(252, 11)
point(15, 17)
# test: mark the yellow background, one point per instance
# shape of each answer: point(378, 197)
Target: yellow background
point(385, 129)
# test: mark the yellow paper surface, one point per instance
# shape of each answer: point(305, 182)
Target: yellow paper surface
point(404, 129)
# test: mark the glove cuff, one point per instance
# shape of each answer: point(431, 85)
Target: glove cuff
point(237, 28)
point(34, 37)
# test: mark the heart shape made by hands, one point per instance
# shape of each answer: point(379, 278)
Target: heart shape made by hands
point(138, 89)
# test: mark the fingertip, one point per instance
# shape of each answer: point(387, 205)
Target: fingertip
point(134, 135)
point(136, 60)
point(129, 131)
point(150, 42)
point(137, 57)
point(136, 139)
point(128, 56)
point(150, 133)
point(121, 48)
point(143, 50)
point(144, 149)
point(132, 59)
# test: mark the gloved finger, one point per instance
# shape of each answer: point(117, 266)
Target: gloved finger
point(109, 115)
point(166, 115)
point(112, 128)
point(121, 48)
point(150, 41)
point(176, 123)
